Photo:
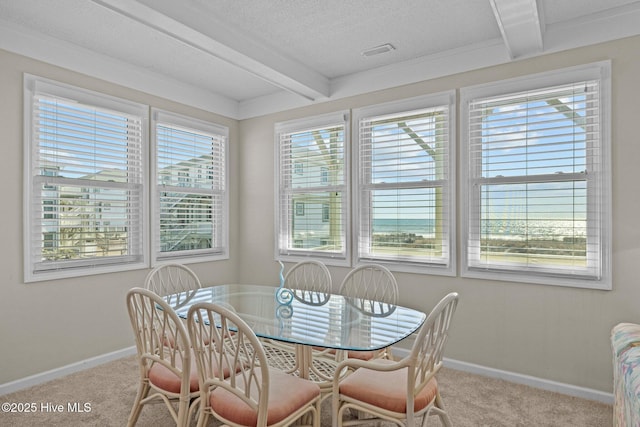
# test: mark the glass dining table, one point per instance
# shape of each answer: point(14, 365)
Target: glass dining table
point(311, 321)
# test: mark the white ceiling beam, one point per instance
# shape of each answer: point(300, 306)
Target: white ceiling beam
point(36, 45)
point(520, 25)
point(248, 55)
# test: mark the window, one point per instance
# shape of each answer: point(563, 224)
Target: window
point(537, 190)
point(324, 176)
point(404, 183)
point(83, 151)
point(326, 212)
point(190, 207)
point(86, 184)
point(312, 191)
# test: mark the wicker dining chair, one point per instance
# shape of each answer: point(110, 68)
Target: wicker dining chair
point(257, 395)
point(401, 391)
point(171, 278)
point(309, 275)
point(166, 370)
point(309, 282)
point(372, 288)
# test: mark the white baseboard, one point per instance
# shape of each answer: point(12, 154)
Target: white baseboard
point(541, 383)
point(43, 377)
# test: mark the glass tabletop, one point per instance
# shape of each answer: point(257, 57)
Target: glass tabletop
point(309, 318)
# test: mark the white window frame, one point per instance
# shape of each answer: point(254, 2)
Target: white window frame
point(189, 124)
point(34, 85)
point(290, 253)
point(598, 202)
point(361, 187)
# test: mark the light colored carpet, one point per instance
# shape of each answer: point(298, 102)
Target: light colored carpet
point(471, 400)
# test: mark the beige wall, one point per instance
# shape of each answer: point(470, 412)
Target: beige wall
point(47, 325)
point(555, 333)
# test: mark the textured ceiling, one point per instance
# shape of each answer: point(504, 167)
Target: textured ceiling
point(243, 58)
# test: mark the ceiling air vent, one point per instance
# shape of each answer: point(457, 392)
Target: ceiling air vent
point(388, 47)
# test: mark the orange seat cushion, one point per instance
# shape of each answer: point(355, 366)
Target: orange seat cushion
point(162, 377)
point(165, 379)
point(363, 355)
point(353, 354)
point(287, 394)
point(387, 390)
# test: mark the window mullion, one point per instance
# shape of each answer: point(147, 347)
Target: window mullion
point(413, 184)
point(560, 177)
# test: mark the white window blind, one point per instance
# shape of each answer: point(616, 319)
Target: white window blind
point(84, 195)
point(190, 190)
point(312, 190)
point(538, 183)
point(404, 184)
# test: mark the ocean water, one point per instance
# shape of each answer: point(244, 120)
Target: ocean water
point(424, 227)
point(498, 228)
point(540, 229)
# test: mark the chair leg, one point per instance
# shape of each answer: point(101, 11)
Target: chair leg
point(442, 413)
point(183, 413)
point(194, 410)
point(203, 418)
point(335, 409)
point(318, 414)
point(143, 391)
